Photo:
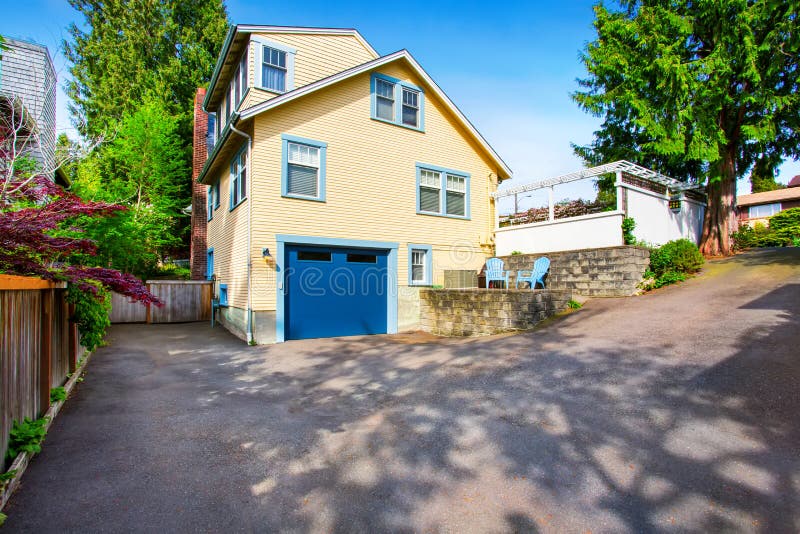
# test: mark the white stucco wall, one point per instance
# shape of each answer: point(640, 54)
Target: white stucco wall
point(656, 224)
point(588, 231)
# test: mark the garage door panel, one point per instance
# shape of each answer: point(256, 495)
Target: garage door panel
point(336, 292)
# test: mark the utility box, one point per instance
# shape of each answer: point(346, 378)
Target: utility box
point(460, 279)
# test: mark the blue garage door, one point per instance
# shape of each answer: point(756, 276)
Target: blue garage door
point(335, 292)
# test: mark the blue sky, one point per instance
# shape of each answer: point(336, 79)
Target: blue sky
point(509, 66)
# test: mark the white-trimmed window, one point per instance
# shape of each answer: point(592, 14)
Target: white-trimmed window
point(430, 184)
point(456, 195)
point(239, 178)
point(303, 168)
point(397, 101)
point(384, 100)
point(420, 265)
point(302, 178)
point(410, 107)
point(442, 191)
point(273, 69)
point(764, 210)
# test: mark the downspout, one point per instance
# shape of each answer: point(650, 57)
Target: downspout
point(249, 233)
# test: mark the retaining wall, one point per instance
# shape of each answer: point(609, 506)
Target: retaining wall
point(474, 312)
point(600, 272)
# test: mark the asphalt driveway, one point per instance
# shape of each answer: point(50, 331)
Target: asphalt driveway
point(675, 411)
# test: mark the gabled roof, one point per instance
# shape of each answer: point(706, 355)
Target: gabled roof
point(404, 55)
point(769, 197)
point(238, 36)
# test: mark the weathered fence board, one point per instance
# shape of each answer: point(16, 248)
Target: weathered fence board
point(125, 311)
point(184, 301)
point(38, 348)
point(20, 348)
point(59, 365)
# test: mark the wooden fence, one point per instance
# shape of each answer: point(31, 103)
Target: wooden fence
point(39, 346)
point(184, 301)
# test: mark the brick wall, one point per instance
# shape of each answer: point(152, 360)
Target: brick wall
point(474, 312)
point(197, 254)
point(600, 272)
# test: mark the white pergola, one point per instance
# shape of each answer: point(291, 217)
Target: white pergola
point(617, 167)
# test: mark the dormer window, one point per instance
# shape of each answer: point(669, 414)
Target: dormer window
point(397, 102)
point(274, 69)
point(274, 66)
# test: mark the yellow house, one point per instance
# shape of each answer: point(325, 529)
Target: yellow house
point(339, 183)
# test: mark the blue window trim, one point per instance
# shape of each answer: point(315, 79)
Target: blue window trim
point(209, 263)
point(391, 262)
point(223, 294)
point(428, 264)
point(259, 62)
point(398, 101)
point(442, 191)
point(231, 181)
point(212, 200)
point(323, 156)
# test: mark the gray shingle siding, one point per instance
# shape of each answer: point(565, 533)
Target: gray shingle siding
point(27, 72)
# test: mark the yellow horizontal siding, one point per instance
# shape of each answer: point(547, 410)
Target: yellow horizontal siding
point(370, 181)
point(227, 234)
point(319, 55)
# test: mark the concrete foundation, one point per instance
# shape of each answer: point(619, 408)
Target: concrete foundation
point(235, 321)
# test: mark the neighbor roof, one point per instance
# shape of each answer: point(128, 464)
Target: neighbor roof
point(769, 197)
point(238, 37)
point(405, 55)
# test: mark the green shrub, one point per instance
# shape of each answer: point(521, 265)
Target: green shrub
point(756, 236)
point(786, 226)
point(679, 256)
point(58, 394)
point(628, 225)
point(671, 262)
point(26, 437)
point(516, 253)
point(574, 304)
point(91, 314)
point(667, 278)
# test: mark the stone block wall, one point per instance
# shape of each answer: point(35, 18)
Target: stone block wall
point(599, 272)
point(475, 312)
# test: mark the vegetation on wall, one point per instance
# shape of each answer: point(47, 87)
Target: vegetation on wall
point(91, 313)
point(695, 90)
point(628, 225)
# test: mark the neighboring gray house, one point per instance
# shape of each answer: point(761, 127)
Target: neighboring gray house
point(28, 89)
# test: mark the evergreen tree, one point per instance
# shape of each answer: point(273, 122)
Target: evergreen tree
point(696, 89)
point(138, 49)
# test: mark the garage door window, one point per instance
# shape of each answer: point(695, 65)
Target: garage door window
point(308, 255)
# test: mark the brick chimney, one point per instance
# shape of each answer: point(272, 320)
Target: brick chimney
point(198, 246)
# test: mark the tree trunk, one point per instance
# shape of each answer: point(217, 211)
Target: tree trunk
point(720, 217)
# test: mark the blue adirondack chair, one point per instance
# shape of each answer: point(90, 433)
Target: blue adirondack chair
point(536, 276)
point(495, 271)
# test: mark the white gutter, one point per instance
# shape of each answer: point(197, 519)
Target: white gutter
point(249, 233)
